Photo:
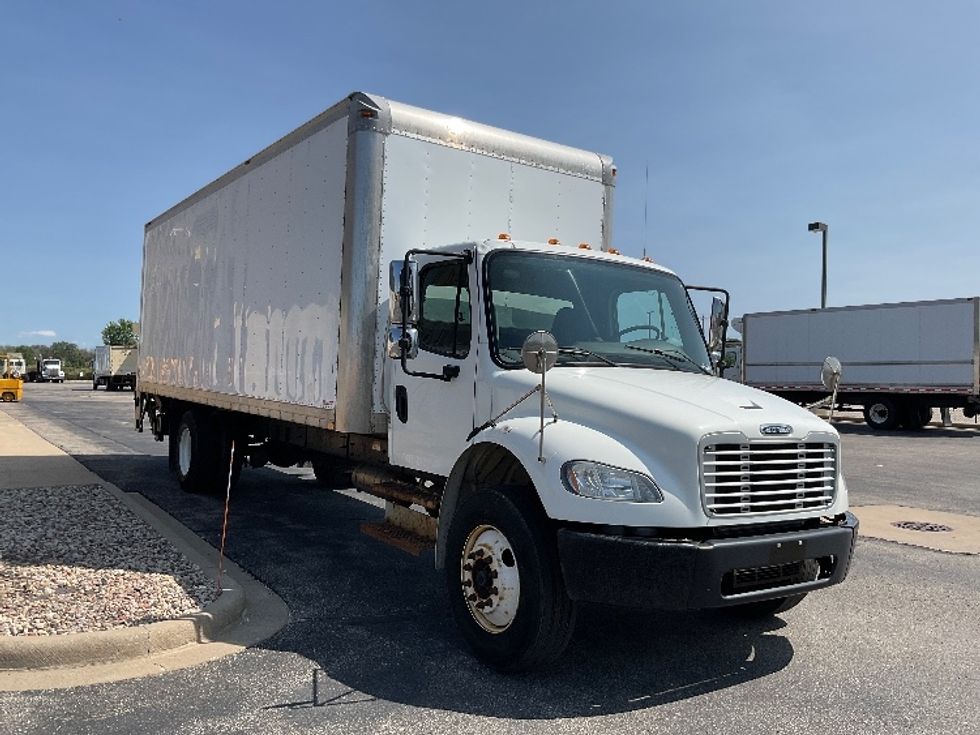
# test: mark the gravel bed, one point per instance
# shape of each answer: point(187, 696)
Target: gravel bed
point(74, 558)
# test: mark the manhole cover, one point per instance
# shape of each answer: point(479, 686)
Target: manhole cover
point(922, 526)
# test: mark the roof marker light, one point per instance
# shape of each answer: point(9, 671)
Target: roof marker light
point(584, 246)
point(553, 241)
point(613, 251)
point(503, 236)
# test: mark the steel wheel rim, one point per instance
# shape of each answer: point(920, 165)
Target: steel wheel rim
point(490, 579)
point(184, 451)
point(879, 413)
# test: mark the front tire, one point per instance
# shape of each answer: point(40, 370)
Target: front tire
point(505, 586)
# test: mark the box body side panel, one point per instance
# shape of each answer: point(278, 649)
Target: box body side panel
point(241, 288)
point(929, 344)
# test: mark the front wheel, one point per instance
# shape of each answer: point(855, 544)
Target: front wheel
point(505, 586)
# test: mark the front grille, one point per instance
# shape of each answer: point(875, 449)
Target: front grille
point(764, 478)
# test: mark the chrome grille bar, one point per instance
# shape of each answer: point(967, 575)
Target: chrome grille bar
point(765, 478)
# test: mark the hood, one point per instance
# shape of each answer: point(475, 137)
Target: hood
point(619, 400)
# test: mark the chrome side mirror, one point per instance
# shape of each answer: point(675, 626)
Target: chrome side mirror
point(717, 326)
point(403, 339)
point(403, 287)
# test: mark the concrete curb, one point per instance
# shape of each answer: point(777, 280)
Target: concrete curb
point(245, 613)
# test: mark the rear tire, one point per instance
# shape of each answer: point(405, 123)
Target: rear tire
point(505, 586)
point(883, 414)
point(331, 474)
point(201, 449)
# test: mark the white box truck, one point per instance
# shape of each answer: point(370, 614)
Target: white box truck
point(114, 367)
point(900, 360)
point(366, 293)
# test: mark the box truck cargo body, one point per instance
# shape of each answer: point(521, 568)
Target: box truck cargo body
point(381, 293)
point(900, 360)
point(114, 367)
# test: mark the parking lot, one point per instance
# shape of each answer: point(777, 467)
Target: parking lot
point(893, 649)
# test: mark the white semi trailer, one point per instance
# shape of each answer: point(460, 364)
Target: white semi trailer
point(366, 294)
point(900, 360)
point(114, 366)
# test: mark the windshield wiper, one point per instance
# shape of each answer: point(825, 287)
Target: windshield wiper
point(585, 353)
point(676, 357)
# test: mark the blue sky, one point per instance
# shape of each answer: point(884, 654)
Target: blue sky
point(754, 119)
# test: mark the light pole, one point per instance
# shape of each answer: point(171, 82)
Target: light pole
point(822, 229)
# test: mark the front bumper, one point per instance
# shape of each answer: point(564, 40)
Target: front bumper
point(681, 575)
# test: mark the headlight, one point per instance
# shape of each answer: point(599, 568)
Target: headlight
point(594, 480)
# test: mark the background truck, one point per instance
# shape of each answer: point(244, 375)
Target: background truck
point(114, 367)
point(11, 377)
point(900, 360)
point(14, 366)
point(47, 370)
point(368, 294)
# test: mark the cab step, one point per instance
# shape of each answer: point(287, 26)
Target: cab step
point(403, 528)
point(392, 535)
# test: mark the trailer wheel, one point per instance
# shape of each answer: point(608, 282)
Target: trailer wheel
point(917, 417)
point(505, 585)
point(883, 414)
point(765, 608)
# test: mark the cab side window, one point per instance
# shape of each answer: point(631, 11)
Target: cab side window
point(444, 309)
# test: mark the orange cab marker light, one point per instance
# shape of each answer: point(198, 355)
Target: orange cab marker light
point(584, 246)
point(647, 259)
point(613, 251)
point(503, 236)
point(553, 241)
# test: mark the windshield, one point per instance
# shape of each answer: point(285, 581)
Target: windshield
point(602, 313)
point(51, 363)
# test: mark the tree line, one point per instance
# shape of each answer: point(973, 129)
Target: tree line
point(75, 359)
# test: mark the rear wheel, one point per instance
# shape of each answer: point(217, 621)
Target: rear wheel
point(201, 453)
point(7, 397)
point(331, 474)
point(883, 414)
point(505, 586)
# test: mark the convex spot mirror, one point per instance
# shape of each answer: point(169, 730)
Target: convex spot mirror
point(540, 352)
point(397, 298)
point(830, 373)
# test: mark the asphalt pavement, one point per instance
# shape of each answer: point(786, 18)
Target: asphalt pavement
point(893, 649)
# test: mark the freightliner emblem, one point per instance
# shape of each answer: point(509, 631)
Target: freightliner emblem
point(776, 429)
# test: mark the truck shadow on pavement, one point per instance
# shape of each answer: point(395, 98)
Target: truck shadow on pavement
point(374, 621)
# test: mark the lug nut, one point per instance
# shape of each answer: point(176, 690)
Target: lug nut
point(472, 598)
point(493, 573)
point(467, 582)
point(467, 567)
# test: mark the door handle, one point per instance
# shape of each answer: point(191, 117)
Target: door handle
point(401, 403)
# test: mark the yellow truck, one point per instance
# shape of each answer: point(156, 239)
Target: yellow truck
point(11, 383)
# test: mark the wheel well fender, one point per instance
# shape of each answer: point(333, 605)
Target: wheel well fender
point(484, 464)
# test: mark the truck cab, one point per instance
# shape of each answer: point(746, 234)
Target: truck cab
point(665, 485)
